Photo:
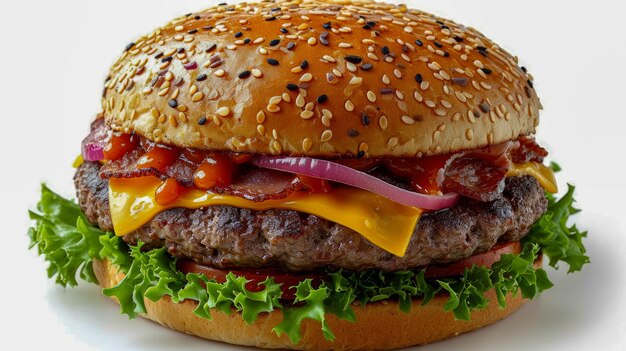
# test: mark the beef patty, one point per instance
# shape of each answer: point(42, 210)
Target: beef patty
point(230, 237)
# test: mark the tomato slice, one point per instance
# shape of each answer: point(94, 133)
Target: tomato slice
point(486, 259)
point(254, 277)
point(289, 280)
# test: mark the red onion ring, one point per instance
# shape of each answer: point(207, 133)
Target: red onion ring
point(335, 172)
point(92, 151)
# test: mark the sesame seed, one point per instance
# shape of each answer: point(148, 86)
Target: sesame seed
point(419, 43)
point(197, 96)
point(307, 77)
point(274, 42)
point(202, 121)
point(419, 78)
point(201, 77)
point(244, 74)
point(292, 87)
point(306, 114)
point(353, 59)
point(238, 34)
point(365, 119)
point(366, 66)
point(260, 117)
point(382, 122)
point(223, 111)
point(322, 99)
point(349, 106)
point(304, 64)
point(173, 103)
point(407, 120)
point(257, 73)
point(326, 135)
point(272, 62)
point(306, 144)
point(220, 72)
point(371, 96)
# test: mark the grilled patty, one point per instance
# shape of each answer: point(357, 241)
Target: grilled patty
point(230, 237)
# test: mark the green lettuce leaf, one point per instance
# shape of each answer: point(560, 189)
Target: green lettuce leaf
point(69, 243)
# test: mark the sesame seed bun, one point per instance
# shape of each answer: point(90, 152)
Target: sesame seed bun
point(325, 79)
point(379, 326)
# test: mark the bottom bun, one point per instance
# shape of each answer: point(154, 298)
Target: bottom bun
point(379, 326)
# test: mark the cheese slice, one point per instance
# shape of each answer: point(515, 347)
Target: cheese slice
point(543, 174)
point(383, 222)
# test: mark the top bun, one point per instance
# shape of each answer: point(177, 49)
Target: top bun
point(320, 78)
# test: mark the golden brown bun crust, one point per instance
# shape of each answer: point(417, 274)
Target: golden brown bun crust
point(379, 326)
point(470, 93)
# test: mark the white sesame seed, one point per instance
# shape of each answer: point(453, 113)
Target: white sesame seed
point(223, 111)
point(408, 120)
point(307, 77)
point(349, 106)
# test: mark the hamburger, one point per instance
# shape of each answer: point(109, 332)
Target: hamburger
point(313, 175)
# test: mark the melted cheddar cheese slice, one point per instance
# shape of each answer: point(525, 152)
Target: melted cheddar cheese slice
point(383, 222)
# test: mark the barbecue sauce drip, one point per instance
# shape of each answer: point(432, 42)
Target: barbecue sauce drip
point(477, 174)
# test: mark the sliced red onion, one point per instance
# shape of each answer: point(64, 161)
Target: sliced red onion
point(92, 151)
point(335, 172)
point(92, 147)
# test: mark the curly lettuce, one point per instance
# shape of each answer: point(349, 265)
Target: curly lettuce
point(69, 243)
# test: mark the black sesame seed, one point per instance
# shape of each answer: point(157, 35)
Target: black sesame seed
point(284, 30)
point(365, 119)
point(304, 64)
point(360, 154)
point(275, 9)
point(371, 23)
point(274, 42)
point(211, 48)
point(386, 91)
point(439, 23)
point(353, 133)
point(244, 74)
point(129, 46)
point(238, 34)
point(173, 103)
point(458, 39)
point(292, 87)
point(385, 50)
point(167, 59)
point(158, 56)
point(247, 40)
point(181, 50)
point(419, 78)
point(202, 121)
point(201, 77)
point(405, 48)
point(486, 70)
point(324, 41)
point(367, 26)
point(524, 69)
point(273, 18)
point(353, 59)
point(222, 4)
point(193, 31)
point(438, 44)
point(460, 81)
point(484, 53)
point(290, 45)
point(445, 27)
point(419, 43)
point(207, 27)
point(322, 98)
point(326, 25)
point(484, 107)
point(446, 54)
point(272, 62)
point(366, 66)
point(197, 18)
point(531, 84)
point(481, 48)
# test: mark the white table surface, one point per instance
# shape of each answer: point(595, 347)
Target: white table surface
point(55, 55)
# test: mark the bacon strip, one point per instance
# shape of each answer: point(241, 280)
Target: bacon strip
point(477, 174)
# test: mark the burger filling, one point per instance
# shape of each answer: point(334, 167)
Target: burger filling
point(252, 234)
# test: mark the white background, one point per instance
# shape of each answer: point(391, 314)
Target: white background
point(54, 58)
